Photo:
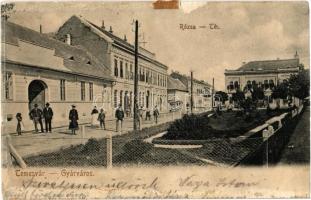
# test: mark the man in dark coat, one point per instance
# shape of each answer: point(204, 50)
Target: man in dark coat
point(48, 115)
point(73, 117)
point(119, 116)
point(156, 114)
point(36, 115)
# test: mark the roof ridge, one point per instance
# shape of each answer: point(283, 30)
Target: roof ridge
point(273, 60)
point(45, 36)
point(61, 49)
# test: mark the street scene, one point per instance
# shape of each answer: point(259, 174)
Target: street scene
point(86, 89)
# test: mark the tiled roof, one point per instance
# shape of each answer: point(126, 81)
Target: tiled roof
point(76, 59)
point(113, 38)
point(175, 84)
point(269, 65)
point(184, 79)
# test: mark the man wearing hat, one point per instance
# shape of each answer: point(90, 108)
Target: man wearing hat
point(48, 115)
point(36, 115)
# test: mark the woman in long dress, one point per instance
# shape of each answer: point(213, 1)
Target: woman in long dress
point(73, 117)
point(94, 114)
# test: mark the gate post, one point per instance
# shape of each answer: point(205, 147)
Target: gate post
point(109, 150)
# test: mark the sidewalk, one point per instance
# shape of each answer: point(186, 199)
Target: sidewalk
point(30, 144)
point(298, 148)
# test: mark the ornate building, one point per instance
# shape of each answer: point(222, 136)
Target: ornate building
point(38, 69)
point(265, 74)
point(118, 55)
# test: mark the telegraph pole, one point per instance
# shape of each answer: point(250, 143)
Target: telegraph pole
point(191, 91)
point(213, 95)
point(136, 114)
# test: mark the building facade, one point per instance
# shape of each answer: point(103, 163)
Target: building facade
point(178, 95)
point(201, 91)
point(118, 55)
point(37, 69)
point(265, 74)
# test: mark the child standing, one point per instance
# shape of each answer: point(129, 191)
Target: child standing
point(19, 123)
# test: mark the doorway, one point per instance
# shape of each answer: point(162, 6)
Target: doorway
point(36, 94)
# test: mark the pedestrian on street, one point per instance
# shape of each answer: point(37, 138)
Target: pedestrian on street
point(94, 114)
point(148, 115)
point(73, 117)
point(101, 119)
point(48, 115)
point(19, 123)
point(36, 115)
point(119, 116)
point(128, 111)
point(141, 112)
point(156, 114)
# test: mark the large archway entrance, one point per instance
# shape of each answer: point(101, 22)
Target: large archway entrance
point(37, 93)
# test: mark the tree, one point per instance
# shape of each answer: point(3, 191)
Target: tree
point(257, 93)
point(280, 91)
point(299, 84)
point(238, 97)
point(6, 10)
point(224, 96)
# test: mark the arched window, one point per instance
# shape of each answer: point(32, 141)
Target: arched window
point(266, 84)
point(116, 70)
point(253, 82)
point(271, 83)
point(236, 85)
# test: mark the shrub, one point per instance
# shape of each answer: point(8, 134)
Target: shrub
point(91, 146)
point(188, 126)
point(134, 150)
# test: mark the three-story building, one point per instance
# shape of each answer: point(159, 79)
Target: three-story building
point(118, 54)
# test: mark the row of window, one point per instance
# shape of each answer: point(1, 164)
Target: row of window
point(62, 86)
point(266, 84)
point(145, 75)
point(125, 99)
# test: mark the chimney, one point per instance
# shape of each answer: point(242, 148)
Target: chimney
point(125, 38)
point(110, 29)
point(103, 25)
point(68, 39)
point(296, 55)
point(40, 28)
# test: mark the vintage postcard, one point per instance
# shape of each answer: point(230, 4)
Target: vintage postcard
point(155, 99)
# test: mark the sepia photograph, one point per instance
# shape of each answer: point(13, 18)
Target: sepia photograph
point(155, 99)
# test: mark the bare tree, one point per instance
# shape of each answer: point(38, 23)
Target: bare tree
point(6, 10)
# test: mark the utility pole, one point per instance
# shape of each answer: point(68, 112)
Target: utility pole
point(136, 114)
point(213, 95)
point(191, 91)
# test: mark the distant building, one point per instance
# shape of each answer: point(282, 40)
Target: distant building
point(118, 55)
point(38, 69)
point(177, 94)
point(265, 74)
point(201, 90)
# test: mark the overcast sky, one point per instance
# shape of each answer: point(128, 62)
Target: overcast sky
point(248, 31)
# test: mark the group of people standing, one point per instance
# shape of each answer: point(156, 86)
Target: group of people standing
point(98, 118)
point(147, 112)
point(37, 115)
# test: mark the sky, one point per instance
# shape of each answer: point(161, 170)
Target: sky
point(247, 31)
